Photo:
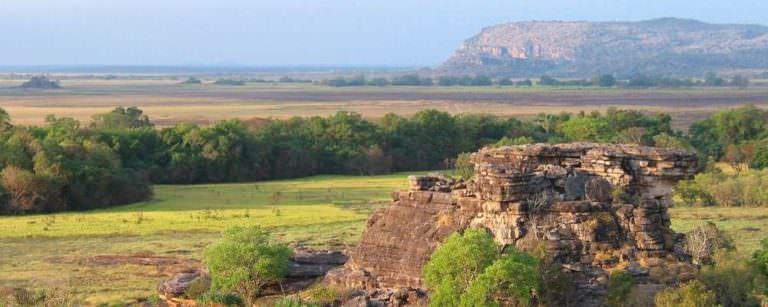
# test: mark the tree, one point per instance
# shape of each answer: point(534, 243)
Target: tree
point(468, 270)
point(463, 167)
point(691, 294)
point(246, 259)
point(524, 83)
point(506, 82)
point(514, 276)
point(456, 263)
point(5, 120)
point(447, 81)
point(760, 262)
point(122, 118)
point(619, 287)
point(605, 81)
point(585, 128)
point(548, 81)
point(703, 241)
point(481, 80)
point(192, 80)
point(711, 79)
point(740, 81)
point(408, 80)
point(30, 193)
point(732, 279)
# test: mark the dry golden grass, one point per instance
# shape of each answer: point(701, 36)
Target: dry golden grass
point(167, 102)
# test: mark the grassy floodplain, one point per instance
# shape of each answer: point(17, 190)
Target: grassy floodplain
point(168, 102)
point(55, 250)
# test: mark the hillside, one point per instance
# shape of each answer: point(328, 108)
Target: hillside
point(666, 46)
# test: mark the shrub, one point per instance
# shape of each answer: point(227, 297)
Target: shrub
point(219, 299)
point(292, 302)
point(54, 297)
point(619, 286)
point(245, 260)
point(731, 278)
point(760, 261)
point(692, 294)
point(703, 241)
point(197, 288)
point(468, 270)
point(463, 167)
point(322, 295)
point(505, 141)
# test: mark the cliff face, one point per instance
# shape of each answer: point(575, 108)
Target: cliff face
point(594, 208)
point(662, 46)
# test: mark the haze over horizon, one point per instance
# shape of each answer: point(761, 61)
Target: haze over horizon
point(294, 32)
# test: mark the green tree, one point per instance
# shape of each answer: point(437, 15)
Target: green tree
point(548, 81)
point(463, 167)
point(619, 287)
point(587, 128)
point(468, 270)
point(731, 278)
point(5, 120)
point(515, 275)
point(121, 118)
point(245, 260)
point(605, 81)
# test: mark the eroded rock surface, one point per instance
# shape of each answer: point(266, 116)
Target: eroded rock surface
point(593, 207)
point(666, 46)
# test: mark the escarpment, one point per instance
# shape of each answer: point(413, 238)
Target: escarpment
point(594, 208)
point(665, 46)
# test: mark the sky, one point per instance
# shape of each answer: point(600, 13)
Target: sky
point(298, 32)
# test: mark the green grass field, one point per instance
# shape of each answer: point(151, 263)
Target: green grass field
point(45, 251)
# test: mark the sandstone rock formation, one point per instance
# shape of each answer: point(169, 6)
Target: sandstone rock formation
point(594, 209)
point(666, 46)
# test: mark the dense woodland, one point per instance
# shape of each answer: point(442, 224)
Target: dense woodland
point(66, 165)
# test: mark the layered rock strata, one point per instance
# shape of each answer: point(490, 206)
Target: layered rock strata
point(594, 208)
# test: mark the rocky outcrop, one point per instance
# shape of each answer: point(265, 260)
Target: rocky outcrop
point(666, 46)
point(594, 208)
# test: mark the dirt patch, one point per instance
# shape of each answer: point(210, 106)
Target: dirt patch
point(164, 265)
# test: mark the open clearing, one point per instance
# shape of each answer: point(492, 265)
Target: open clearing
point(120, 254)
point(168, 102)
point(83, 250)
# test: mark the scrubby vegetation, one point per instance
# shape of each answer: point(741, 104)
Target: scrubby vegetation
point(246, 260)
point(692, 294)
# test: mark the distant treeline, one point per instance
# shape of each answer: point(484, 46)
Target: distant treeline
point(67, 166)
point(636, 81)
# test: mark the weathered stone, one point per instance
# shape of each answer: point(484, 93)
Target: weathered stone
point(178, 285)
point(598, 190)
point(558, 197)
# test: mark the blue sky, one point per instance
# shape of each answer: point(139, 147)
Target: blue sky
point(298, 32)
